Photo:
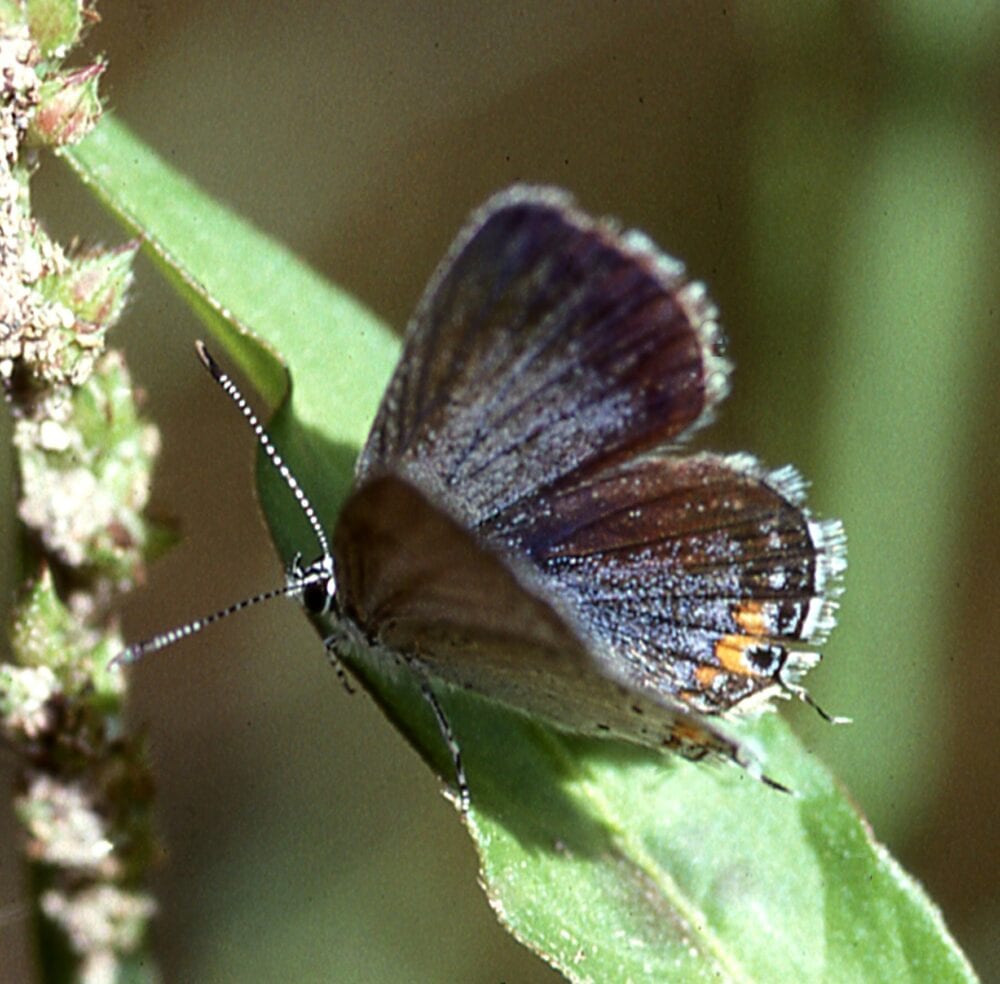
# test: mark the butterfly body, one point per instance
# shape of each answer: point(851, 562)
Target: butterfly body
point(522, 524)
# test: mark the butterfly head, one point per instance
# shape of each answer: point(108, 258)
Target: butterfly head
point(314, 584)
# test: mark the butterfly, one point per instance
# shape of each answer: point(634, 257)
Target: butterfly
point(522, 523)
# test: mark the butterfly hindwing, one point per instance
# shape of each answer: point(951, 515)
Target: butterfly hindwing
point(695, 573)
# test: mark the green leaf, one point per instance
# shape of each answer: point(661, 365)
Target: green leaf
point(273, 314)
point(612, 862)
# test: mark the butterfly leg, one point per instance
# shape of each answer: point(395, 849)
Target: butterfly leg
point(338, 667)
point(449, 739)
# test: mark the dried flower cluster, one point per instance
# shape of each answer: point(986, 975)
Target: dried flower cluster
point(84, 457)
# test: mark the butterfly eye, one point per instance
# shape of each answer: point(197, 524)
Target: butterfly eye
point(318, 596)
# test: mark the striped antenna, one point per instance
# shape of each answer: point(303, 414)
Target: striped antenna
point(232, 391)
point(137, 650)
point(299, 579)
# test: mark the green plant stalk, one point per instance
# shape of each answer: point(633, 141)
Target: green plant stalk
point(83, 458)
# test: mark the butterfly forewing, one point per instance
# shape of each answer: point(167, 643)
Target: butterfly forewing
point(545, 342)
point(420, 585)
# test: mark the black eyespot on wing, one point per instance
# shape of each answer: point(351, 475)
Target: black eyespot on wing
point(765, 658)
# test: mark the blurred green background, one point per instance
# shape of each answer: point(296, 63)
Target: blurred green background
point(829, 169)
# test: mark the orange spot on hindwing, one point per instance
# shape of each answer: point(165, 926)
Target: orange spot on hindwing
point(752, 618)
